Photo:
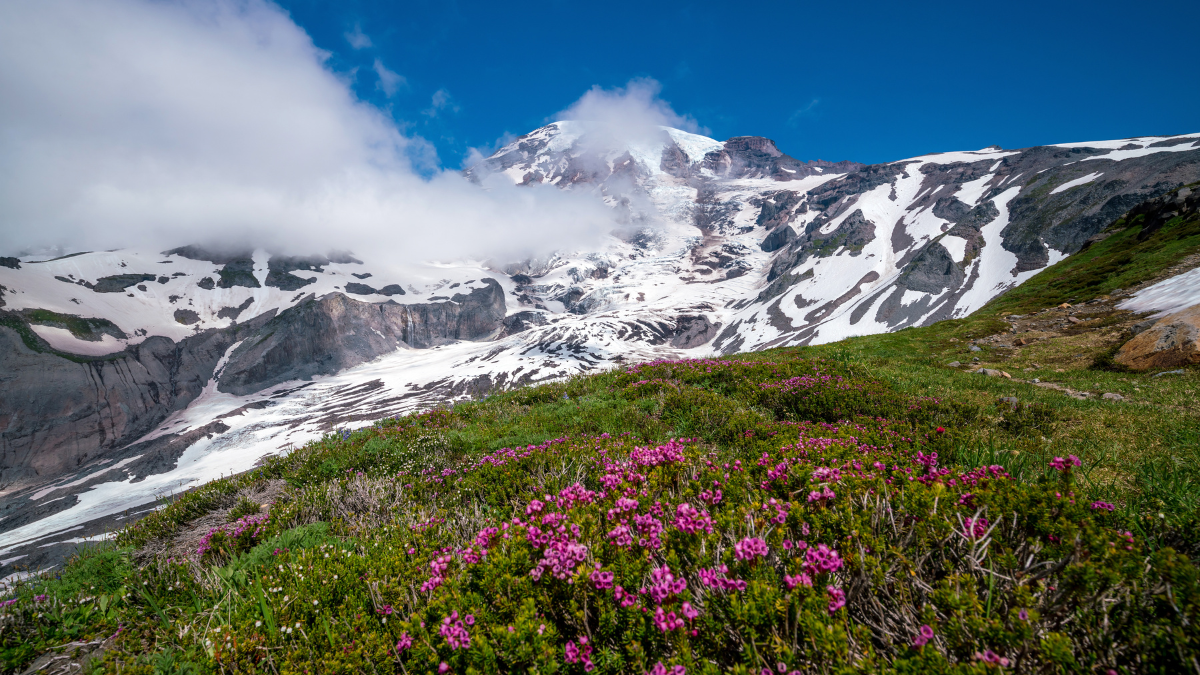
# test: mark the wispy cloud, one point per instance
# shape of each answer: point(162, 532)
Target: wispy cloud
point(800, 114)
point(357, 38)
point(440, 102)
point(629, 115)
point(389, 81)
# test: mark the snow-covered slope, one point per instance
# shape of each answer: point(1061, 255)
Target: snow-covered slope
point(725, 247)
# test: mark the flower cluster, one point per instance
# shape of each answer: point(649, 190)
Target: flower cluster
point(455, 631)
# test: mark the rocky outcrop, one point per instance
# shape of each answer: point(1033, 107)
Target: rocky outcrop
point(1171, 342)
point(119, 282)
point(322, 336)
point(932, 271)
point(693, 331)
point(758, 157)
point(59, 411)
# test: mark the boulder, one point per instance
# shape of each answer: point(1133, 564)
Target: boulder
point(1172, 342)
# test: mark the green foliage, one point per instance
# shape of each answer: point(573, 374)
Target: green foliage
point(244, 507)
point(389, 532)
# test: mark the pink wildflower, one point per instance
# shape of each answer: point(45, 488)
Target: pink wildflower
point(837, 598)
point(750, 548)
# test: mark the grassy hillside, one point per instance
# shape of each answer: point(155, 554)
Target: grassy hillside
point(860, 506)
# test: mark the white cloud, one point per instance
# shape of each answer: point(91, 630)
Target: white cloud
point(440, 101)
point(389, 81)
point(163, 123)
point(358, 39)
point(629, 115)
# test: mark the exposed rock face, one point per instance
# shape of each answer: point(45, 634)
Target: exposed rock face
point(693, 331)
point(932, 271)
point(58, 411)
point(1171, 342)
point(757, 157)
point(119, 282)
point(779, 238)
point(237, 270)
point(523, 321)
point(322, 336)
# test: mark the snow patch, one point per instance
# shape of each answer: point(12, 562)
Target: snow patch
point(62, 340)
point(1076, 183)
point(957, 246)
point(1168, 296)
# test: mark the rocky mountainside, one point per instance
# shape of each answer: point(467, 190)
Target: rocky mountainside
point(133, 373)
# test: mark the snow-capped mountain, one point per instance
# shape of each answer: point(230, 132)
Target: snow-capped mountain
point(132, 373)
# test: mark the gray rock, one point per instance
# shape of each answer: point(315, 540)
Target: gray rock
point(322, 336)
point(693, 331)
point(975, 348)
point(359, 289)
point(391, 289)
point(59, 411)
point(186, 317)
point(229, 312)
point(1142, 326)
point(932, 271)
point(1168, 372)
point(119, 282)
point(954, 364)
point(1112, 397)
point(779, 237)
point(280, 269)
point(11, 263)
point(523, 321)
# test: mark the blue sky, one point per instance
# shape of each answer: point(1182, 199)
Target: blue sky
point(867, 81)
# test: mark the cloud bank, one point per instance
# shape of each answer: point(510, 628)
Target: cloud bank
point(148, 123)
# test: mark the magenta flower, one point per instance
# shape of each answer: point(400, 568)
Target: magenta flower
point(801, 579)
point(975, 528)
point(925, 635)
point(602, 580)
point(581, 653)
point(837, 598)
point(455, 632)
point(404, 642)
point(750, 548)
point(823, 559)
point(666, 621)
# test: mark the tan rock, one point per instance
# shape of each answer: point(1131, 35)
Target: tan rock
point(1171, 342)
